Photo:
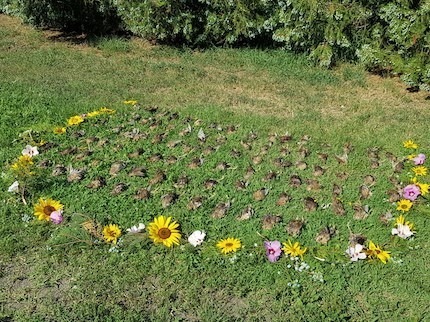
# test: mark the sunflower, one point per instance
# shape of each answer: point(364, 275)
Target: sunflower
point(404, 205)
point(44, 208)
point(59, 130)
point(420, 170)
point(376, 252)
point(229, 245)
point(294, 250)
point(162, 230)
point(409, 144)
point(75, 120)
point(111, 233)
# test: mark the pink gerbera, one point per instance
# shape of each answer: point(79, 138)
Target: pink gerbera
point(411, 192)
point(273, 250)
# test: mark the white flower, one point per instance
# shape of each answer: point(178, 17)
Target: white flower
point(355, 253)
point(403, 231)
point(14, 187)
point(30, 151)
point(136, 229)
point(196, 238)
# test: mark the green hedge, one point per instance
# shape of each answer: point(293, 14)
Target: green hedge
point(389, 37)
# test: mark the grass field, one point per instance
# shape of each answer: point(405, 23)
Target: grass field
point(245, 101)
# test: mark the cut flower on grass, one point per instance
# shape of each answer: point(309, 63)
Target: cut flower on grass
point(136, 229)
point(75, 120)
point(403, 228)
point(409, 144)
point(411, 192)
point(30, 151)
point(294, 250)
point(130, 102)
point(404, 205)
point(197, 237)
point(420, 170)
point(59, 130)
point(273, 250)
point(356, 252)
point(45, 207)
point(419, 159)
point(229, 245)
point(374, 251)
point(111, 233)
point(105, 110)
point(163, 231)
point(14, 187)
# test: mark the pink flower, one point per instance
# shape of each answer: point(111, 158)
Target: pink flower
point(355, 253)
point(419, 159)
point(273, 250)
point(411, 192)
point(56, 217)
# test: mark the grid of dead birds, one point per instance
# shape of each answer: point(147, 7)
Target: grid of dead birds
point(214, 174)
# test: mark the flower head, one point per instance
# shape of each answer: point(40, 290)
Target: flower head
point(130, 102)
point(355, 253)
point(94, 113)
point(111, 233)
point(59, 130)
point(424, 188)
point(294, 250)
point(162, 230)
point(106, 110)
point(136, 229)
point(14, 187)
point(30, 151)
point(403, 228)
point(197, 237)
point(45, 207)
point(411, 192)
point(56, 216)
point(419, 159)
point(75, 120)
point(409, 144)
point(273, 250)
point(404, 205)
point(375, 251)
point(420, 170)
point(229, 245)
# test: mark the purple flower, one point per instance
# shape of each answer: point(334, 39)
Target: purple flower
point(56, 217)
point(411, 192)
point(419, 159)
point(273, 250)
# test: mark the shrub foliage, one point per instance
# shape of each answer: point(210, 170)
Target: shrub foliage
point(390, 37)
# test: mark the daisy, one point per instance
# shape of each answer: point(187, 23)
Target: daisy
point(162, 230)
point(376, 252)
point(409, 144)
point(404, 205)
point(294, 250)
point(45, 207)
point(59, 130)
point(111, 233)
point(75, 120)
point(420, 170)
point(229, 245)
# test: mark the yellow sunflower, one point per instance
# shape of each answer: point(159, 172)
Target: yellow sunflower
point(59, 130)
point(111, 233)
point(229, 245)
point(163, 230)
point(409, 144)
point(376, 252)
point(44, 208)
point(420, 170)
point(75, 120)
point(294, 250)
point(404, 205)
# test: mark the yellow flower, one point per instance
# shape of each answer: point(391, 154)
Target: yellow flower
point(404, 205)
point(294, 250)
point(402, 221)
point(376, 252)
point(420, 170)
point(94, 113)
point(75, 120)
point(106, 110)
point(162, 230)
point(411, 156)
point(409, 144)
point(111, 233)
point(424, 188)
point(44, 208)
point(22, 166)
point(59, 130)
point(229, 245)
point(131, 102)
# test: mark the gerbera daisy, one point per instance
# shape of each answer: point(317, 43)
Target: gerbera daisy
point(294, 250)
point(229, 245)
point(420, 170)
point(409, 144)
point(404, 205)
point(59, 130)
point(162, 230)
point(111, 233)
point(75, 120)
point(46, 206)
point(376, 252)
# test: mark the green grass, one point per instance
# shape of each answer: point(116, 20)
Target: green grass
point(42, 278)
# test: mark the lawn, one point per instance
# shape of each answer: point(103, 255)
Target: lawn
point(252, 144)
